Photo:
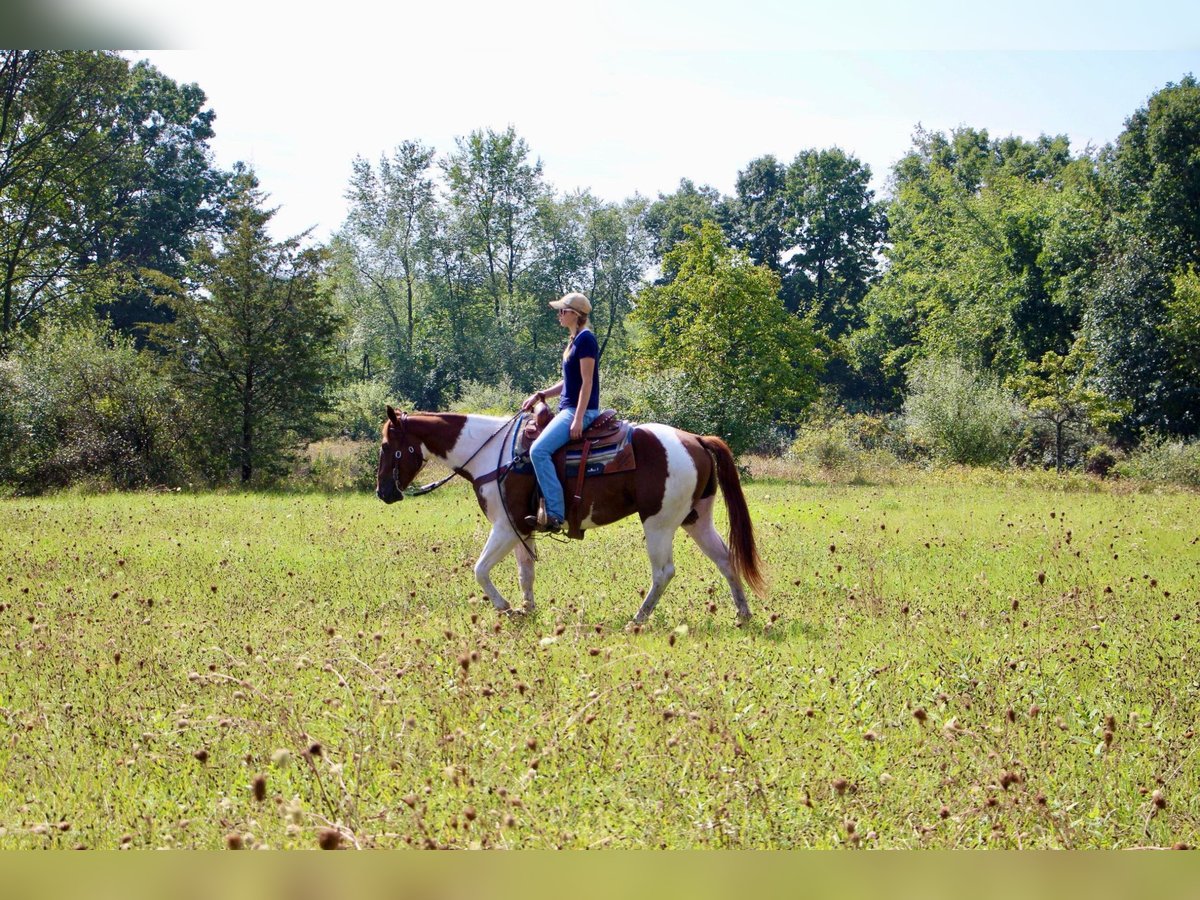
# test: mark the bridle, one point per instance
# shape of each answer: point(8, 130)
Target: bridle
point(434, 485)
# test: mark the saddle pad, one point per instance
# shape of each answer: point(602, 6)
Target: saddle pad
point(598, 458)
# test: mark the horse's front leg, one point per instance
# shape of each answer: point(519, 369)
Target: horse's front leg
point(525, 561)
point(499, 543)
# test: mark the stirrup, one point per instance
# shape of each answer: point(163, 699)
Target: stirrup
point(550, 525)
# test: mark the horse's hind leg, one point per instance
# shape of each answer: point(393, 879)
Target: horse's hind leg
point(704, 533)
point(525, 572)
point(659, 546)
point(499, 543)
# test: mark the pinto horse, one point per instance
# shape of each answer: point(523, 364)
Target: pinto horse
point(674, 486)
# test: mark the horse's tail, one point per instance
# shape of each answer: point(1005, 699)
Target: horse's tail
point(743, 553)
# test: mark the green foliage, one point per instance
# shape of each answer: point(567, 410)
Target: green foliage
point(834, 229)
point(1154, 174)
point(720, 336)
point(357, 409)
point(960, 415)
point(501, 398)
point(1180, 329)
point(104, 171)
point(671, 215)
point(840, 443)
point(1124, 330)
point(80, 404)
point(992, 246)
point(1056, 390)
point(252, 343)
point(1161, 459)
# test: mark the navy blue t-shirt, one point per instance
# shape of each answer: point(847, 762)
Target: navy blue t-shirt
point(583, 347)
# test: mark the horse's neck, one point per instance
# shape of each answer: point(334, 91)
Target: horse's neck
point(470, 452)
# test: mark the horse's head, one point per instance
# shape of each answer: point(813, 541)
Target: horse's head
point(400, 458)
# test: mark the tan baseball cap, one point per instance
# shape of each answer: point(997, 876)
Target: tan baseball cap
point(575, 301)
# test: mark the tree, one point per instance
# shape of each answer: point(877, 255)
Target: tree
point(1155, 172)
point(993, 247)
point(1124, 328)
point(759, 212)
point(1055, 391)
point(388, 226)
point(253, 338)
point(58, 110)
point(746, 364)
point(669, 217)
point(494, 188)
point(1181, 329)
point(831, 233)
point(104, 171)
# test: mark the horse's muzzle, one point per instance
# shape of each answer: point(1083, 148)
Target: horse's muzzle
point(389, 494)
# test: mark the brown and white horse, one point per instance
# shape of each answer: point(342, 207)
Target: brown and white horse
point(673, 486)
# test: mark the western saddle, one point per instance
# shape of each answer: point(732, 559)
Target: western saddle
point(605, 448)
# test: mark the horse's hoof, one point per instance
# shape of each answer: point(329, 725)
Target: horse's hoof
point(529, 608)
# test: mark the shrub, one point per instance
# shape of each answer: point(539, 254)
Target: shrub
point(1100, 460)
point(358, 410)
point(672, 398)
point(500, 399)
point(80, 403)
point(850, 444)
point(1162, 460)
point(336, 466)
point(961, 416)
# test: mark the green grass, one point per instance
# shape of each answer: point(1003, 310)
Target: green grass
point(142, 631)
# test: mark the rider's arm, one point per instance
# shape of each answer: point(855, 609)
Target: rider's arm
point(587, 372)
point(540, 396)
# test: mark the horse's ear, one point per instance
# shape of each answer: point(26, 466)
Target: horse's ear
point(391, 414)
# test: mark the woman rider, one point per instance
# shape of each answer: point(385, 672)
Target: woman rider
point(579, 404)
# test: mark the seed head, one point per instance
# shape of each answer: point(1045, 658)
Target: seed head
point(201, 756)
point(1159, 801)
point(470, 813)
point(329, 839)
point(840, 785)
point(233, 841)
point(920, 715)
point(259, 787)
point(315, 749)
point(1041, 577)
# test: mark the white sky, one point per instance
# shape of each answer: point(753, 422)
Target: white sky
point(627, 97)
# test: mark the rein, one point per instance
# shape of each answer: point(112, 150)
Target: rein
point(458, 470)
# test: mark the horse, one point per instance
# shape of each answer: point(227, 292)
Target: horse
point(674, 486)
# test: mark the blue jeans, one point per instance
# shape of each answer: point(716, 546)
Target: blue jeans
point(553, 436)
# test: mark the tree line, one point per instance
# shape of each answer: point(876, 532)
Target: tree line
point(154, 331)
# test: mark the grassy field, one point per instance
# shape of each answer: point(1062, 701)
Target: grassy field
point(938, 665)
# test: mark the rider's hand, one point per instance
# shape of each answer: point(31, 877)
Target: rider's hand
point(576, 429)
point(530, 402)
